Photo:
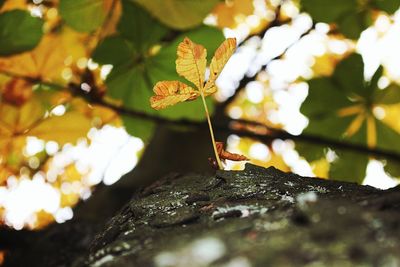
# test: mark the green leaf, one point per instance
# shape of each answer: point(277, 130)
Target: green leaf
point(324, 96)
point(389, 6)
point(137, 26)
point(353, 24)
point(349, 166)
point(335, 102)
point(373, 83)
point(349, 75)
point(323, 101)
point(128, 84)
point(19, 32)
point(310, 151)
point(351, 16)
point(114, 50)
point(179, 14)
point(83, 15)
point(328, 11)
point(2, 3)
point(389, 95)
point(387, 137)
point(144, 129)
point(392, 167)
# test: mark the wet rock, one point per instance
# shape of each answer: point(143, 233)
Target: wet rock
point(197, 197)
point(176, 217)
point(252, 218)
point(257, 217)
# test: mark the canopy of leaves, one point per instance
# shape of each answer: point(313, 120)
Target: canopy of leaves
point(351, 16)
point(341, 107)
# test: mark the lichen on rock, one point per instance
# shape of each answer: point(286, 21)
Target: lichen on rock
point(255, 217)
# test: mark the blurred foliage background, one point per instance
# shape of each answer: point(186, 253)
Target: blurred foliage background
point(313, 88)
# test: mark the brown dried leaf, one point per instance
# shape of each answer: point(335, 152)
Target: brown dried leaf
point(223, 154)
point(191, 62)
point(220, 58)
point(168, 93)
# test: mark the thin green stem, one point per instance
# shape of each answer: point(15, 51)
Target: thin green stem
point(211, 131)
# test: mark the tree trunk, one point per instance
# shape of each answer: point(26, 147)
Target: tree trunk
point(256, 217)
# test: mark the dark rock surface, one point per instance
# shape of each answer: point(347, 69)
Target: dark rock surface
point(56, 246)
point(257, 217)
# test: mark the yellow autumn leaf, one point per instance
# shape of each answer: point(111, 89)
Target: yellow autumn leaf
point(392, 115)
point(168, 93)
point(16, 120)
point(275, 160)
point(46, 61)
point(76, 45)
point(4, 174)
point(32, 119)
point(320, 168)
point(62, 129)
point(5, 134)
point(230, 14)
point(324, 65)
point(15, 4)
point(191, 62)
point(100, 115)
point(220, 58)
point(43, 219)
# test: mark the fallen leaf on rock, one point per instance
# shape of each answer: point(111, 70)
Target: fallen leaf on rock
point(223, 154)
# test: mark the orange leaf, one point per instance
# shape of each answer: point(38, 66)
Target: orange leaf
point(191, 62)
point(220, 58)
point(169, 93)
point(227, 155)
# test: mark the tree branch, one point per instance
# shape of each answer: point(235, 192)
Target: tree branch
point(228, 125)
point(267, 136)
point(274, 133)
